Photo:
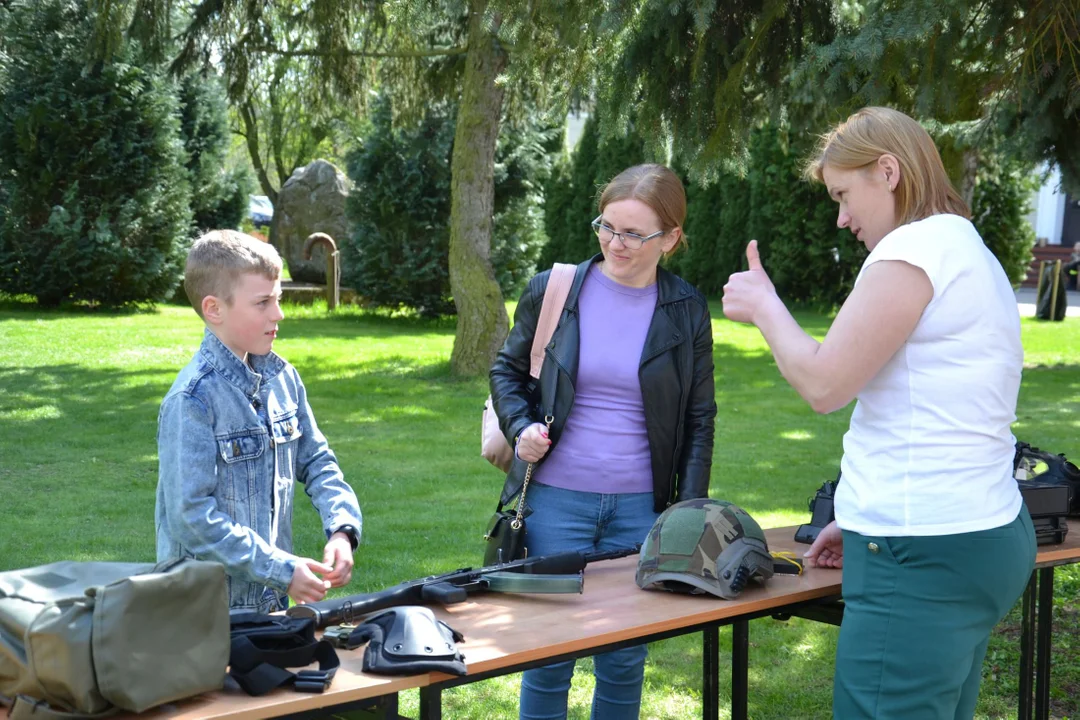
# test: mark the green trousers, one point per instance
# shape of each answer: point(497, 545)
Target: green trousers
point(917, 618)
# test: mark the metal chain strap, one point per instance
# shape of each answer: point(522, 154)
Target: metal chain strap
point(518, 520)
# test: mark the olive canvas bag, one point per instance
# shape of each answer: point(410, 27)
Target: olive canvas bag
point(81, 639)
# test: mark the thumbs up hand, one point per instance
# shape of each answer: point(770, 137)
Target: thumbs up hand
point(747, 291)
point(753, 257)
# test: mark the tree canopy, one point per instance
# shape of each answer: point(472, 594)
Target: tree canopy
point(1011, 66)
point(92, 167)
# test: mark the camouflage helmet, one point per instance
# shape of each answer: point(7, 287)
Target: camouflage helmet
point(704, 545)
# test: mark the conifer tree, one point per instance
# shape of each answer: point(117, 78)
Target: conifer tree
point(1005, 66)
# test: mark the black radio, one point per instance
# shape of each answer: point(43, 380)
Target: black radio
point(821, 512)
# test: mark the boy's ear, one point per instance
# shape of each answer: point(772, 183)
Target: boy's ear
point(212, 308)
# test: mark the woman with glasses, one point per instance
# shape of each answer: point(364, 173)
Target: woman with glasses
point(628, 383)
point(931, 531)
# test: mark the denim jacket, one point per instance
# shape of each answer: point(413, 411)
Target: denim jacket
point(231, 443)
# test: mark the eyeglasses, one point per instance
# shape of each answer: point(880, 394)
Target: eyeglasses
point(631, 241)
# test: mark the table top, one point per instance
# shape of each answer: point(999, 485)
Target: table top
point(503, 630)
point(1067, 552)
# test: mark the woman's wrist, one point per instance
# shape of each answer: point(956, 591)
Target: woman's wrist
point(770, 308)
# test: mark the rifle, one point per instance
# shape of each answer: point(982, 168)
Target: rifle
point(560, 573)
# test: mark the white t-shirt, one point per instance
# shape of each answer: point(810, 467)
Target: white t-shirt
point(930, 450)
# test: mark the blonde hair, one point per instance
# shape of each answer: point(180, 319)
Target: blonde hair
point(218, 259)
point(857, 143)
point(656, 186)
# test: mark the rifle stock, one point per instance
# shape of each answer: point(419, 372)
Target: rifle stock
point(455, 587)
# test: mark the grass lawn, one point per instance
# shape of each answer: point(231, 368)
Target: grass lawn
point(79, 393)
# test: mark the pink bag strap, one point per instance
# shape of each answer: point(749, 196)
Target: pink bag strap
point(558, 288)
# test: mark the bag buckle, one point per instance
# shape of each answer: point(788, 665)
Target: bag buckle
point(338, 635)
point(313, 681)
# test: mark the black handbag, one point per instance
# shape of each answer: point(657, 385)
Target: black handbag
point(505, 535)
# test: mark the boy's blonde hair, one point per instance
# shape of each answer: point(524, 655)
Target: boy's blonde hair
point(924, 188)
point(218, 259)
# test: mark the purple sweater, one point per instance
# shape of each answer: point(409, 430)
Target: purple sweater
point(604, 447)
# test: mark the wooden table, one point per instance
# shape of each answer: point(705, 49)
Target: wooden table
point(1036, 630)
point(509, 633)
point(351, 688)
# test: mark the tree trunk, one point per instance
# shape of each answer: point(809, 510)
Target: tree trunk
point(967, 180)
point(251, 130)
point(482, 323)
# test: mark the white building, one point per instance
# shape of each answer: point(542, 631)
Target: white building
point(1055, 215)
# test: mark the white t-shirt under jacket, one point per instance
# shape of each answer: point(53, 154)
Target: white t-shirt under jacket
point(930, 449)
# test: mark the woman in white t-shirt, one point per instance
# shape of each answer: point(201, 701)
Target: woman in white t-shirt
point(932, 534)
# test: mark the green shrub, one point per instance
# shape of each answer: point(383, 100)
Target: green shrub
point(399, 210)
point(219, 195)
point(398, 252)
point(794, 222)
point(580, 179)
point(97, 201)
point(560, 204)
point(1000, 205)
point(716, 218)
point(516, 243)
point(808, 259)
point(524, 161)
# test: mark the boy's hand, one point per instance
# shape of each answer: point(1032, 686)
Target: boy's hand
point(306, 586)
point(338, 556)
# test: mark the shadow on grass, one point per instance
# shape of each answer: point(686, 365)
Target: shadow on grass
point(404, 422)
point(351, 322)
point(59, 403)
point(24, 307)
point(79, 453)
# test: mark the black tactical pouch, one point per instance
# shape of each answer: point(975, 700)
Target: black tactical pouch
point(263, 646)
point(821, 512)
point(1032, 465)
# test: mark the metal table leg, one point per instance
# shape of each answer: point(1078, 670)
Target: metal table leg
point(390, 708)
point(740, 651)
point(430, 703)
point(1044, 633)
point(710, 673)
point(1027, 649)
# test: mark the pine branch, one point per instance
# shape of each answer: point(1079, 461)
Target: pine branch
point(310, 52)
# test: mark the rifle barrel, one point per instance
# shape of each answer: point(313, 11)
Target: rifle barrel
point(612, 554)
point(339, 610)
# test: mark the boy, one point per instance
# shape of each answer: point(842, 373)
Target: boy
point(234, 433)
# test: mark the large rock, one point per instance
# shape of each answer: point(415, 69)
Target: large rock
point(312, 200)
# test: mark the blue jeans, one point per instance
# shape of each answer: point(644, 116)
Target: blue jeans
point(563, 520)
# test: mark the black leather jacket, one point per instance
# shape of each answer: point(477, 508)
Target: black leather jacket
point(676, 374)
